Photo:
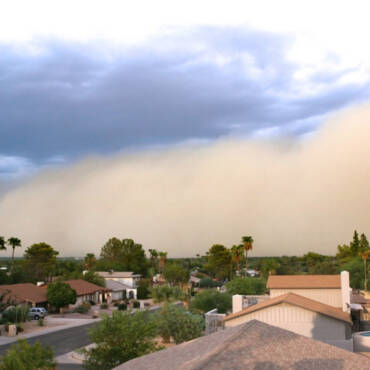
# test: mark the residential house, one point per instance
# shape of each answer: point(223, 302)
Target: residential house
point(88, 292)
point(123, 277)
point(25, 293)
point(118, 290)
point(253, 345)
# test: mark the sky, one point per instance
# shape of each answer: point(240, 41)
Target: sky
point(96, 81)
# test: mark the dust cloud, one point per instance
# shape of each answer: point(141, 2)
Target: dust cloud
point(291, 195)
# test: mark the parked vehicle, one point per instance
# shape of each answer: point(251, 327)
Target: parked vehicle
point(36, 313)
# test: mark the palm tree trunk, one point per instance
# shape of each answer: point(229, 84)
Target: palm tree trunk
point(365, 273)
point(12, 258)
point(246, 263)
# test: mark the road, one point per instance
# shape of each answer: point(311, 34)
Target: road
point(62, 341)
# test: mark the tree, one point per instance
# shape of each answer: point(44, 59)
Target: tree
point(154, 259)
point(355, 267)
point(174, 321)
point(94, 278)
point(211, 299)
point(2, 243)
point(237, 254)
point(143, 289)
point(246, 286)
point(175, 274)
point(14, 242)
point(248, 245)
point(89, 261)
point(269, 265)
point(162, 261)
point(40, 261)
point(364, 243)
point(355, 244)
point(23, 356)
point(60, 294)
point(120, 338)
point(364, 255)
point(219, 261)
point(166, 293)
point(123, 255)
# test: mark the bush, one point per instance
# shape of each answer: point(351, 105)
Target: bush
point(104, 306)
point(16, 314)
point(131, 295)
point(40, 322)
point(19, 328)
point(122, 306)
point(166, 293)
point(246, 286)
point(83, 308)
point(211, 299)
point(136, 304)
point(60, 294)
point(176, 322)
point(143, 289)
point(208, 283)
point(120, 338)
point(23, 356)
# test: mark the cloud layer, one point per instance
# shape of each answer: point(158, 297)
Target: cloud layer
point(292, 196)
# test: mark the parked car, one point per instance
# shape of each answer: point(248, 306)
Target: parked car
point(36, 313)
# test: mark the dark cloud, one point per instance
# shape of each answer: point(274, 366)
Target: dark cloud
point(67, 100)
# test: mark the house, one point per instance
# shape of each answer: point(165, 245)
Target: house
point(301, 315)
point(87, 291)
point(253, 345)
point(323, 288)
point(119, 290)
point(25, 293)
point(124, 277)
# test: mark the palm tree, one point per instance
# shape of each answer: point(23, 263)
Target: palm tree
point(89, 260)
point(248, 245)
point(162, 260)
point(2, 243)
point(364, 256)
point(153, 257)
point(14, 242)
point(237, 253)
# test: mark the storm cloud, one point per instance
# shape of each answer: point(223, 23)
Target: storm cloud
point(61, 101)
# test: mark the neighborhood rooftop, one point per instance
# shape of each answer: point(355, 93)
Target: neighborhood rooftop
point(25, 292)
point(303, 282)
point(83, 287)
point(116, 286)
point(117, 274)
point(295, 300)
point(254, 345)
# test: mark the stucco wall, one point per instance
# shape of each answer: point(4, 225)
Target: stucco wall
point(333, 297)
point(298, 320)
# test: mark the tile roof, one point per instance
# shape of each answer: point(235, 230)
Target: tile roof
point(83, 287)
point(254, 345)
point(303, 282)
point(26, 292)
point(295, 300)
point(116, 286)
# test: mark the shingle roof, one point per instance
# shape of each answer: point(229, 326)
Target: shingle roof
point(254, 345)
point(83, 287)
point(295, 300)
point(303, 282)
point(116, 286)
point(26, 292)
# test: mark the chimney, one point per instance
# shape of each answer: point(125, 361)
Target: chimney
point(346, 290)
point(237, 303)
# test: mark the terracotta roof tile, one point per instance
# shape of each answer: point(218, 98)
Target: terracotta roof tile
point(254, 345)
point(295, 300)
point(303, 282)
point(83, 287)
point(26, 292)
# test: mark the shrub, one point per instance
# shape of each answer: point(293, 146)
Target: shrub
point(83, 308)
point(166, 293)
point(120, 338)
point(131, 295)
point(136, 304)
point(19, 328)
point(246, 286)
point(122, 306)
point(40, 322)
point(23, 356)
point(143, 289)
point(176, 322)
point(104, 306)
point(16, 314)
point(211, 299)
point(60, 294)
point(208, 283)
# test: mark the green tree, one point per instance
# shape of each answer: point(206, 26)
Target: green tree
point(60, 294)
point(211, 299)
point(162, 261)
point(120, 338)
point(219, 261)
point(143, 289)
point(365, 255)
point(23, 356)
point(166, 293)
point(355, 267)
point(89, 261)
point(237, 254)
point(269, 266)
point(154, 259)
point(40, 261)
point(176, 322)
point(248, 245)
point(2, 243)
point(246, 286)
point(14, 242)
point(175, 274)
point(364, 243)
point(355, 244)
point(94, 278)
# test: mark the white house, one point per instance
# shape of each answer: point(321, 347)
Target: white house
point(117, 290)
point(124, 277)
